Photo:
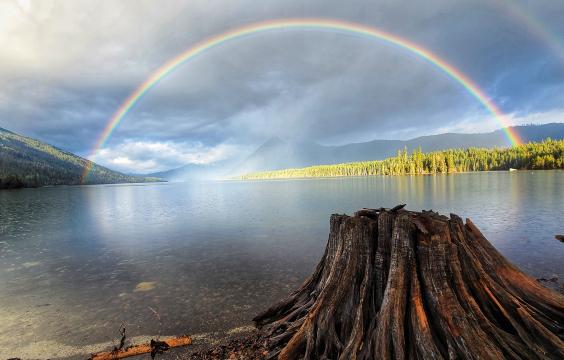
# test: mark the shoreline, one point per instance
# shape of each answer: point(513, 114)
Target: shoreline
point(241, 337)
point(389, 176)
point(243, 342)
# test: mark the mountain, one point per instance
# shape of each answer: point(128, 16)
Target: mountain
point(545, 155)
point(276, 154)
point(285, 153)
point(192, 172)
point(279, 154)
point(26, 162)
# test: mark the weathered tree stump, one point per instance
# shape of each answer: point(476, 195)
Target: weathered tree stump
point(414, 285)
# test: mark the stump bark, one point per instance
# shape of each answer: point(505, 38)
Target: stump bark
point(414, 285)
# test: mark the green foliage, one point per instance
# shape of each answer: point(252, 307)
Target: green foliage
point(25, 162)
point(547, 154)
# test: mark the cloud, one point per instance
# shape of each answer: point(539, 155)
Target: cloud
point(474, 124)
point(65, 67)
point(149, 157)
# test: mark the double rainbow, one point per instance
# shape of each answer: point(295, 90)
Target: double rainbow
point(299, 24)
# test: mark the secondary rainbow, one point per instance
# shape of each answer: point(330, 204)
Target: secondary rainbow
point(300, 24)
point(525, 17)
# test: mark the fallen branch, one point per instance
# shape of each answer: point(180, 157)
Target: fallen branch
point(134, 350)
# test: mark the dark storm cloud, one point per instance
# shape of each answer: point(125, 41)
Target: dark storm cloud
point(67, 66)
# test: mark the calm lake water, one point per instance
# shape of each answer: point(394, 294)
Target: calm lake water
point(76, 262)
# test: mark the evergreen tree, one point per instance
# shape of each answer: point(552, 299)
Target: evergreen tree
point(548, 154)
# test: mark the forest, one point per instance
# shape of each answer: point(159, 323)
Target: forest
point(548, 154)
point(26, 162)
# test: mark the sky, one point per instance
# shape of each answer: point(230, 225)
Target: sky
point(66, 66)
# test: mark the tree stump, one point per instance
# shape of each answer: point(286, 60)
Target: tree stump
point(414, 285)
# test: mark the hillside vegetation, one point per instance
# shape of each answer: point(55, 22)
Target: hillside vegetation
point(278, 154)
point(26, 162)
point(548, 154)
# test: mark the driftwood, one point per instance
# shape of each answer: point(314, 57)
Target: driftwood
point(152, 348)
point(414, 285)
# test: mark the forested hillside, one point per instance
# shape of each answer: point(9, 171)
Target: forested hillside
point(548, 154)
point(25, 162)
point(277, 154)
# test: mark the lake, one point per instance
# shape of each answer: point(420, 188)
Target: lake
point(76, 262)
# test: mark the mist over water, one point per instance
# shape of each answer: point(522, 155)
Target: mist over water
point(76, 262)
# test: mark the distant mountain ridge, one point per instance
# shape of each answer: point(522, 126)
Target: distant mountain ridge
point(192, 172)
point(276, 154)
point(26, 162)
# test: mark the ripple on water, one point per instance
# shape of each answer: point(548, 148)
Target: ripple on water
point(209, 256)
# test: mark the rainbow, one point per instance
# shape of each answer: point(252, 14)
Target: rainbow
point(299, 24)
point(525, 17)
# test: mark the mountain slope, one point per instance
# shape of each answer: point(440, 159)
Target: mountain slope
point(278, 154)
point(26, 162)
point(192, 172)
point(548, 154)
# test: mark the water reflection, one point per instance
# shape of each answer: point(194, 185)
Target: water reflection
point(77, 261)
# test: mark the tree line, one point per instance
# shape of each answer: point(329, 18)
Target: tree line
point(547, 154)
point(26, 162)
